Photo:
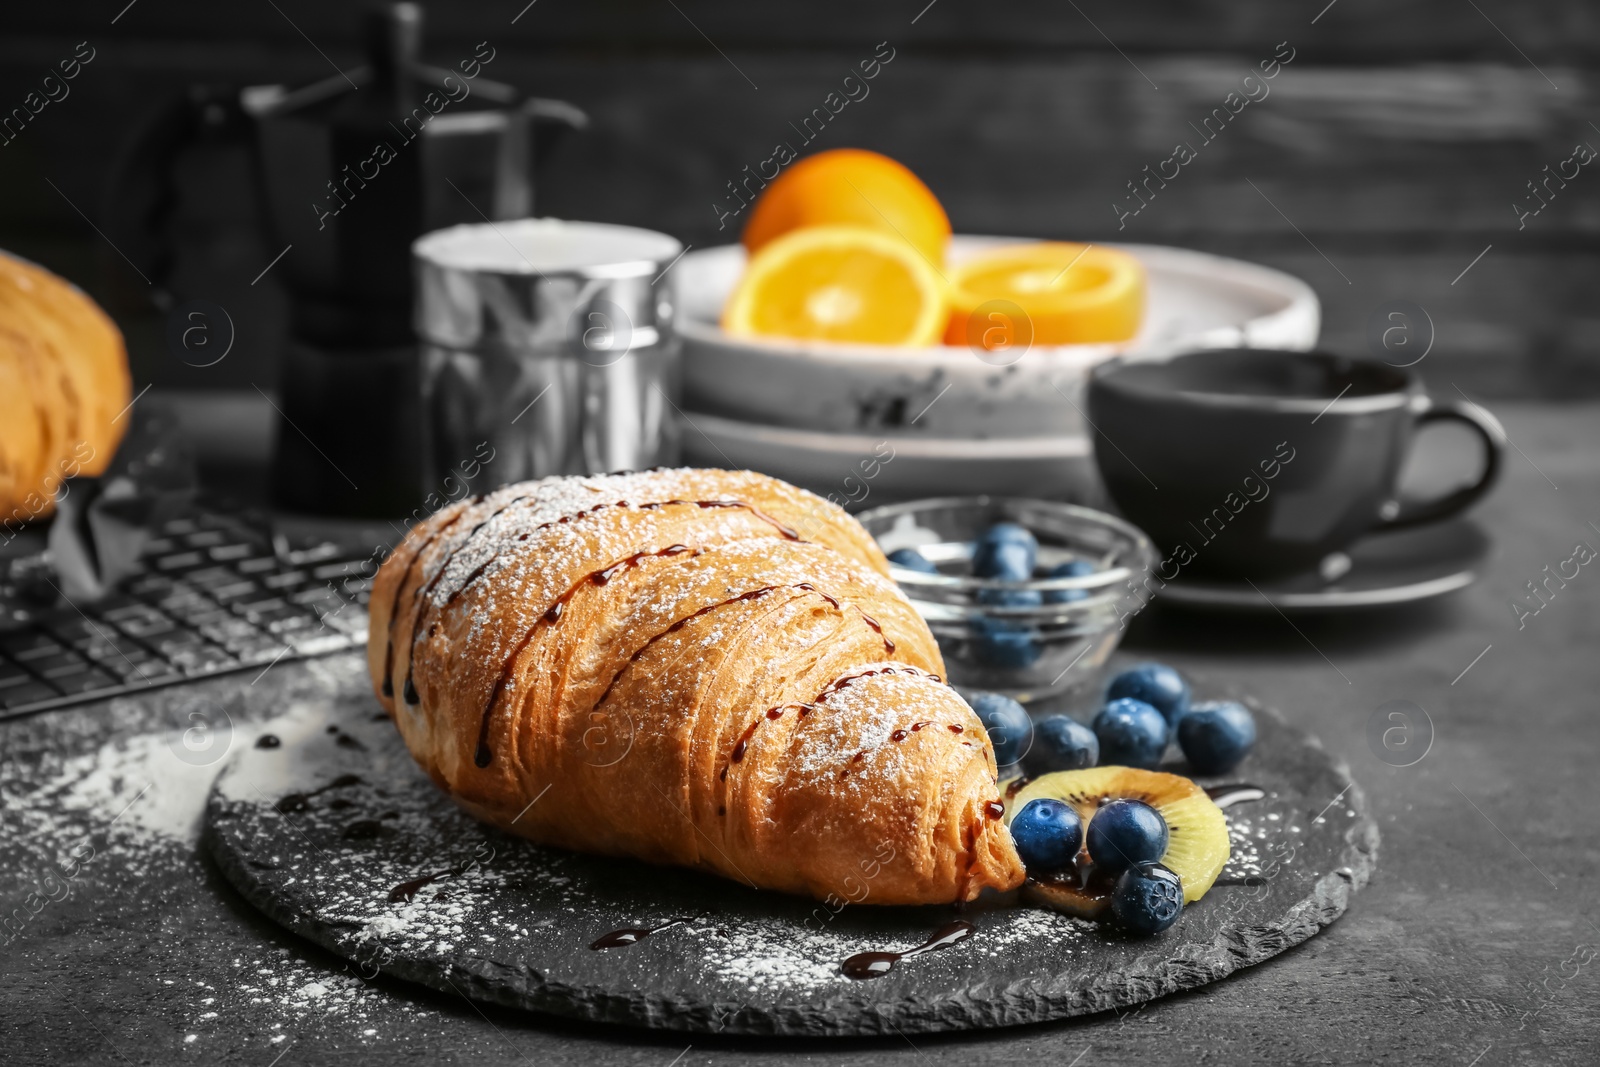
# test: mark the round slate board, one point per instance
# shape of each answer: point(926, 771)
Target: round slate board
point(335, 834)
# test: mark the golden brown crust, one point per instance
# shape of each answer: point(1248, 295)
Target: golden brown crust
point(63, 380)
point(705, 668)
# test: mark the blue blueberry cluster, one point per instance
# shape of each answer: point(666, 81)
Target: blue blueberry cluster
point(1145, 708)
point(1149, 705)
point(1123, 844)
point(1008, 552)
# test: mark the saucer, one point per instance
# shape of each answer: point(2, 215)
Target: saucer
point(1393, 567)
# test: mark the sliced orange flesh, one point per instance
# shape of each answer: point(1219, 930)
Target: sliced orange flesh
point(1069, 293)
point(839, 283)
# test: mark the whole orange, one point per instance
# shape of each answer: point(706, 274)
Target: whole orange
point(850, 187)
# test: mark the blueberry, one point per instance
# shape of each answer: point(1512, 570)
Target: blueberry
point(912, 560)
point(1157, 685)
point(1147, 899)
point(1125, 833)
point(1216, 735)
point(1062, 744)
point(1005, 643)
point(1077, 568)
point(1131, 733)
point(1010, 730)
point(1009, 598)
point(1005, 550)
point(1048, 834)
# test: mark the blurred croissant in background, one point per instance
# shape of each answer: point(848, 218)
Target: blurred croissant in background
point(63, 385)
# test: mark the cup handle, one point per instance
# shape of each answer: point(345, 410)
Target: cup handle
point(1494, 445)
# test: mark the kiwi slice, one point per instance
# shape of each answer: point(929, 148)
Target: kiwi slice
point(1197, 843)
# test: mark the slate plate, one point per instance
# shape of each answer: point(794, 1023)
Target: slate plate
point(336, 835)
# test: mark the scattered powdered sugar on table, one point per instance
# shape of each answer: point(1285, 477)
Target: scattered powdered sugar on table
point(139, 789)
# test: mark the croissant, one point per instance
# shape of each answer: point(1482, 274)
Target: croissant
point(63, 387)
point(696, 667)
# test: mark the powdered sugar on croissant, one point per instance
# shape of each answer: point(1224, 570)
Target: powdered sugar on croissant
point(698, 667)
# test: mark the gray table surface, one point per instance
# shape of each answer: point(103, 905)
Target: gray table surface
point(1474, 944)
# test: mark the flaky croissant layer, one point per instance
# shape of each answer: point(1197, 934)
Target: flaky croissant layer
point(698, 667)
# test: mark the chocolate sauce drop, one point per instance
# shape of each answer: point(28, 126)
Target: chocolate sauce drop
point(864, 965)
point(411, 691)
point(888, 645)
point(268, 741)
point(1226, 796)
point(302, 801)
point(403, 892)
point(388, 686)
point(994, 809)
point(629, 935)
point(482, 757)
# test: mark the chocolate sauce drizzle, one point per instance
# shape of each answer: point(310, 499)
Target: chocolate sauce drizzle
point(301, 801)
point(630, 935)
point(1226, 796)
point(403, 892)
point(421, 595)
point(805, 709)
point(399, 587)
point(864, 965)
point(484, 755)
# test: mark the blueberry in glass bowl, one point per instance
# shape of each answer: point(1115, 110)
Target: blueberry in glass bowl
point(1025, 597)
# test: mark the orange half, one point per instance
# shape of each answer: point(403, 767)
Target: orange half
point(1067, 293)
point(850, 187)
point(839, 283)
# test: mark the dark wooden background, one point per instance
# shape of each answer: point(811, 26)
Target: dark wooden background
point(1395, 143)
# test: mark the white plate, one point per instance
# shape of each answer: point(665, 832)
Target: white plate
point(853, 469)
point(1196, 300)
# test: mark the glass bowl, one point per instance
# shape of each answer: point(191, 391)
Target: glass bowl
point(1030, 652)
